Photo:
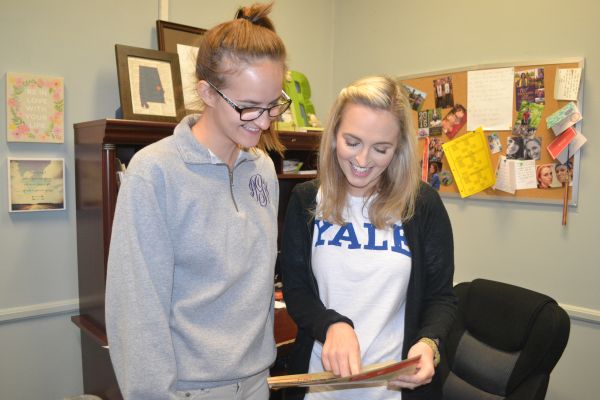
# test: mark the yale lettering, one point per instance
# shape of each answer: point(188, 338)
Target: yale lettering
point(346, 234)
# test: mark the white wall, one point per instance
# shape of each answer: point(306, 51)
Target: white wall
point(523, 244)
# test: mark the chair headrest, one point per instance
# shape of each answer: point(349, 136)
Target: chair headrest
point(501, 314)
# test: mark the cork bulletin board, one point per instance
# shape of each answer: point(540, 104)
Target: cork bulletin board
point(442, 93)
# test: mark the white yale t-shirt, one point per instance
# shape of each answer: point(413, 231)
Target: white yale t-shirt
point(362, 273)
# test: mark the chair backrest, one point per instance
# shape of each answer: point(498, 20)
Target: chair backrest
point(505, 342)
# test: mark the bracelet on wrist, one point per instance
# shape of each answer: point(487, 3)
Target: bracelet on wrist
point(434, 346)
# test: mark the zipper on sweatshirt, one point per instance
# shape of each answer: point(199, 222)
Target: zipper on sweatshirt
point(230, 171)
point(230, 174)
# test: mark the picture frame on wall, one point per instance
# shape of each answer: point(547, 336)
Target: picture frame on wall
point(36, 184)
point(34, 108)
point(149, 84)
point(183, 40)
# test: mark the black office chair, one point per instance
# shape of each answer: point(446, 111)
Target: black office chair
point(504, 344)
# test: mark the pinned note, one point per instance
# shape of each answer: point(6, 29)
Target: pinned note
point(505, 176)
point(566, 85)
point(470, 162)
point(565, 117)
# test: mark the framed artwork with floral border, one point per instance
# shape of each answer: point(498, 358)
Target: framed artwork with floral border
point(34, 108)
point(36, 184)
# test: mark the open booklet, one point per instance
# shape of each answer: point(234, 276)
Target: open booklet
point(381, 372)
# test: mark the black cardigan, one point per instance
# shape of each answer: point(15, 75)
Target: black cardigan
point(430, 303)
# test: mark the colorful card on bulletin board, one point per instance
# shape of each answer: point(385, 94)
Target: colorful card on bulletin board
point(489, 94)
point(470, 162)
point(34, 108)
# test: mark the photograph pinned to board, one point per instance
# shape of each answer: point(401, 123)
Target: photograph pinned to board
point(430, 122)
point(183, 40)
point(34, 108)
point(416, 97)
point(528, 119)
point(36, 184)
point(444, 93)
point(529, 86)
point(454, 120)
point(149, 84)
point(494, 142)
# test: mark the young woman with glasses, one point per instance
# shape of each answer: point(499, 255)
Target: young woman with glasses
point(189, 307)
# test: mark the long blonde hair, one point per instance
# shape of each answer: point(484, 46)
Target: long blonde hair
point(395, 196)
point(234, 44)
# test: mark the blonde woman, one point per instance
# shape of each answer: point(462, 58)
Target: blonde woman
point(367, 251)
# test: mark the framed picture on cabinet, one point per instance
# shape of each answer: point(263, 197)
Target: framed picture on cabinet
point(183, 40)
point(36, 184)
point(149, 84)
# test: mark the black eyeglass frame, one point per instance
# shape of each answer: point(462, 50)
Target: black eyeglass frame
point(241, 110)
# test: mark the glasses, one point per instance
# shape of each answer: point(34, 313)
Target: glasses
point(252, 113)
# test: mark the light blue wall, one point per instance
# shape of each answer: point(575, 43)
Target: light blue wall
point(523, 244)
point(38, 268)
point(332, 42)
point(39, 346)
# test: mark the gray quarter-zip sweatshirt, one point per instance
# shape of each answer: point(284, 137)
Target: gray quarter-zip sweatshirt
point(190, 270)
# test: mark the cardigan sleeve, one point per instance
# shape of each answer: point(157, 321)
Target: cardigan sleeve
point(435, 233)
point(299, 286)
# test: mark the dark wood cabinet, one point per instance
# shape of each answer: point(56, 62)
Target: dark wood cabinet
point(98, 145)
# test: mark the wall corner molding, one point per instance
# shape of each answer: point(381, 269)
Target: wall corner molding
point(582, 313)
point(38, 310)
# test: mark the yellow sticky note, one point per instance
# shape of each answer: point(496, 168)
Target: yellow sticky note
point(469, 159)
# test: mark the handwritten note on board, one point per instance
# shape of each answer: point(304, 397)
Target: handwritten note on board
point(490, 99)
point(505, 176)
point(566, 86)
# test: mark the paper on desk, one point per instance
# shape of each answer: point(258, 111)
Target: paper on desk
point(490, 99)
point(566, 85)
point(470, 162)
point(279, 304)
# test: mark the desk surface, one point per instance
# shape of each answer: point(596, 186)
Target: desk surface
point(285, 329)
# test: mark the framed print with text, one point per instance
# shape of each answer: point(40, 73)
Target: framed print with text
point(149, 84)
point(34, 108)
point(36, 184)
point(183, 40)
